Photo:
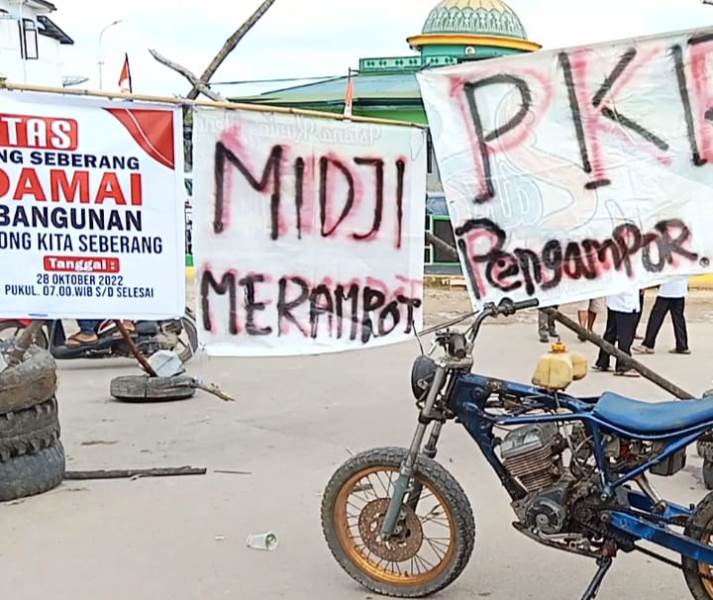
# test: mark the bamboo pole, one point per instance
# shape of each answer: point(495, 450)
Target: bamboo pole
point(180, 101)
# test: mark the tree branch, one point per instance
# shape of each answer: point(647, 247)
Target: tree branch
point(190, 76)
point(228, 47)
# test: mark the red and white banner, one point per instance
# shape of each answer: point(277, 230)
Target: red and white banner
point(308, 232)
point(91, 208)
point(578, 173)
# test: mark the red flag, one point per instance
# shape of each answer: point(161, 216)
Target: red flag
point(125, 83)
point(349, 98)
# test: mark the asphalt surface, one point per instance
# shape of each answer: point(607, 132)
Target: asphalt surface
point(295, 421)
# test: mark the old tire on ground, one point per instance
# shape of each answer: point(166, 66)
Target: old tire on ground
point(29, 430)
point(437, 481)
point(32, 474)
point(142, 388)
point(32, 382)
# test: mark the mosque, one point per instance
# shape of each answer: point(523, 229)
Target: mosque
point(455, 31)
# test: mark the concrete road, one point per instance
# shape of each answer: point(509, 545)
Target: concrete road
point(296, 420)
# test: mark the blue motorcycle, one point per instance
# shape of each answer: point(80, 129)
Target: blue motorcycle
point(577, 471)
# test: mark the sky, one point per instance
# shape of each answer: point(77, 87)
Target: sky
point(301, 38)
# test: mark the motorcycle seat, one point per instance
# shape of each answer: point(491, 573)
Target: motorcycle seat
point(653, 418)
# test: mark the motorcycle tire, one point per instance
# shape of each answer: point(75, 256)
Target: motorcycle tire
point(705, 449)
point(28, 431)
point(352, 556)
point(32, 474)
point(13, 329)
point(708, 474)
point(700, 527)
point(32, 382)
point(144, 389)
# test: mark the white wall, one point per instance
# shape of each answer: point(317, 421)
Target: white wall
point(47, 69)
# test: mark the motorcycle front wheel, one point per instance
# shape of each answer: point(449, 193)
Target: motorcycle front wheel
point(433, 542)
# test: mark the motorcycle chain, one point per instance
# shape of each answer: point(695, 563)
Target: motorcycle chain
point(595, 525)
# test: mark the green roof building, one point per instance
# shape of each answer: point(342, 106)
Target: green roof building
point(455, 31)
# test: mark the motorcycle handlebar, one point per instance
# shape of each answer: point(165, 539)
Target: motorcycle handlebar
point(505, 308)
point(525, 304)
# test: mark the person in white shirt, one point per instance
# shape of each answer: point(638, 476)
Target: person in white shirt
point(622, 314)
point(671, 298)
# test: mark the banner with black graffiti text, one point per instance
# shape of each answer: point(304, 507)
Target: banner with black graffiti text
point(91, 208)
point(308, 232)
point(579, 173)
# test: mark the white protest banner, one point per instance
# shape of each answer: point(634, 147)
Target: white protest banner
point(308, 232)
point(579, 173)
point(91, 208)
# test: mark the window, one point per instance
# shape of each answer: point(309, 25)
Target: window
point(429, 153)
point(428, 254)
point(28, 40)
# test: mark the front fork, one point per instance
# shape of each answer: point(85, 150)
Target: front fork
point(403, 484)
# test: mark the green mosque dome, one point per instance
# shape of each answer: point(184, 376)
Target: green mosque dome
point(475, 17)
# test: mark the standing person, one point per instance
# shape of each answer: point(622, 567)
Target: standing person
point(546, 327)
point(588, 312)
point(622, 315)
point(671, 298)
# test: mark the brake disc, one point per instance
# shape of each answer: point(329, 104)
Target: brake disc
point(404, 545)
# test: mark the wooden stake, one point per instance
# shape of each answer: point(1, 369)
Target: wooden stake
point(131, 473)
point(627, 360)
point(441, 245)
point(134, 350)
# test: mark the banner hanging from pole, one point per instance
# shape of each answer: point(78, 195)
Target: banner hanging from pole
point(91, 208)
point(308, 232)
point(577, 174)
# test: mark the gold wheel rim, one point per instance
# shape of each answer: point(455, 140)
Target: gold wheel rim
point(366, 486)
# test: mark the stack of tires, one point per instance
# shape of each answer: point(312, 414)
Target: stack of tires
point(31, 454)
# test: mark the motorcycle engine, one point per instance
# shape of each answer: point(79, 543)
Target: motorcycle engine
point(533, 455)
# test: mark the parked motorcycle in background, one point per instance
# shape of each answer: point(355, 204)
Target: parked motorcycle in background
point(178, 335)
